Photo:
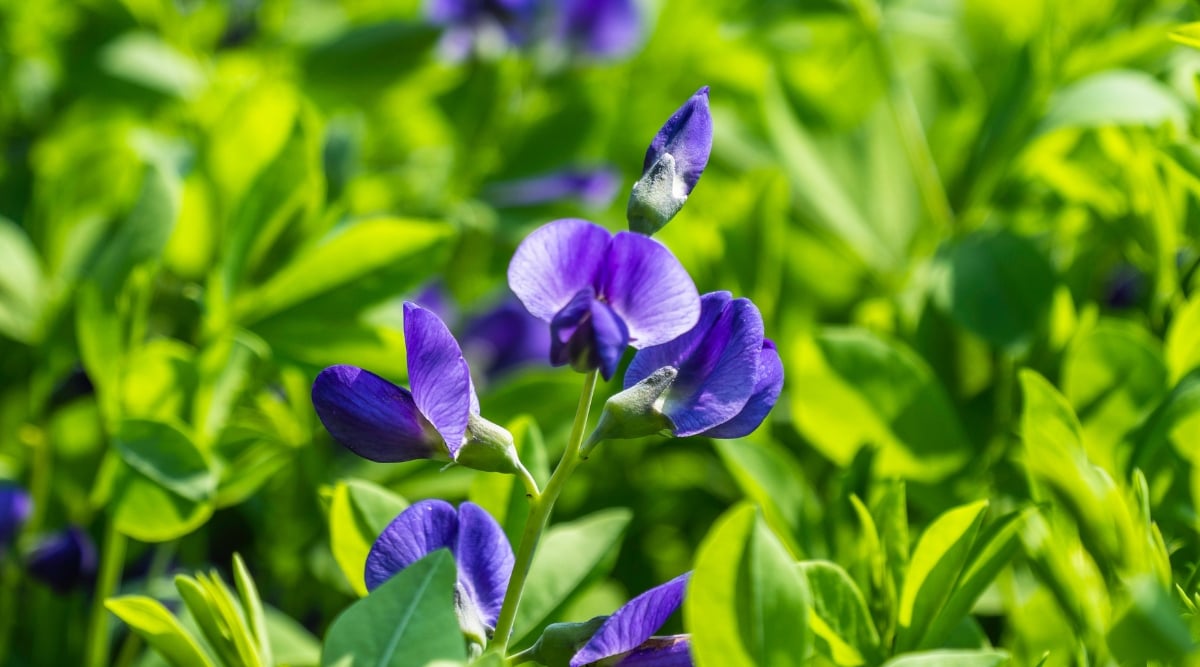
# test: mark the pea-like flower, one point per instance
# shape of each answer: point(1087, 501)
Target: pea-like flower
point(674, 161)
point(720, 379)
point(483, 26)
point(504, 338)
point(601, 292)
point(64, 560)
point(626, 638)
point(600, 28)
point(481, 552)
point(438, 419)
point(15, 507)
point(594, 187)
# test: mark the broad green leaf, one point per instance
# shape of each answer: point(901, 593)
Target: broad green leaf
point(995, 284)
point(335, 68)
point(154, 623)
point(990, 553)
point(250, 132)
point(1114, 97)
point(592, 543)
point(144, 59)
point(1113, 377)
point(22, 284)
point(224, 368)
point(1054, 456)
point(409, 620)
point(357, 265)
point(101, 337)
point(252, 607)
point(142, 235)
point(771, 477)
point(163, 490)
point(746, 604)
point(158, 380)
point(840, 621)
point(851, 388)
point(1187, 34)
point(291, 643)
point(950, 659)
point(358, 513)
point(1174, 423)
point(1150, 629)
point(938, 561)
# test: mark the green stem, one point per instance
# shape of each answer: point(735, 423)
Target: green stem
point(111, 559)
point(539, 515)
point(531, 485)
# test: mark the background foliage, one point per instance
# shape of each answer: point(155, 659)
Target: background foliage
point(969, 225)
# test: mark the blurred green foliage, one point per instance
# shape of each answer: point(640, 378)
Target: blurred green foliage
point(970, 226)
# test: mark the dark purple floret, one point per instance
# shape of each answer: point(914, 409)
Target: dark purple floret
point(64, 560)
point(1124, 287)
point(593, 187)
point(15, 508)
point(600, 28)
point(505, 338)
point(480, 25)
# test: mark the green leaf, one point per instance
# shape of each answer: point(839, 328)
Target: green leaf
point(592, 542)
point(164, 488)
point(357, 265)
point(990, 553)
point(840, 620)
point(252, 607)
point(22, 284)
point(1150, 629)
point(207, 614)
point(851, 388)
point(746, 604)
point(995, 284)
point(1187, 34)
point(409, 620)
point(142, 235)
point(144, 59)
point(1115, 97)
point(771, 477)
point(155, 624)
point(937, 562)
point(1113, 376)
point(950, 659)
point(291, 643)
point(1183, 341)
point(358, 513)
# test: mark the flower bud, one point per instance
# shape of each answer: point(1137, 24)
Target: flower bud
point(674, 161)
point(635, 412)
point(488, 448)
point(560, 641)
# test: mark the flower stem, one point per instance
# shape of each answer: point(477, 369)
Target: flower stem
point(539, 515)
point(111, 559)
point(531, 485)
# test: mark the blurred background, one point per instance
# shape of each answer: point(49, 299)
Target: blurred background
point(204, 203)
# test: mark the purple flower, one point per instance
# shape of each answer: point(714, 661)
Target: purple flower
point(481, 552)
point(594, 187)
point(628, 632)
point(719, 379)
point(64, 560)
point(601, 292)
point(1124, 287)
point(505, 338)
point(484, 26)
point(434, 296)
point(600, 28)
point(674, 161)
point(15, 507)
point(383, 422)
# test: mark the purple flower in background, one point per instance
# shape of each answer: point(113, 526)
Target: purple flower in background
point(628, 632)
point(482, 554)
point(601, 292)
point(15, 507)
point(600, 28)
point(505, 338)
point(63, 560)
point(383, 422)
point(674, 161)
point(720, 379)
point(1124, 287)
point(594, 187)
point(482, 26)
point(434, 296)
